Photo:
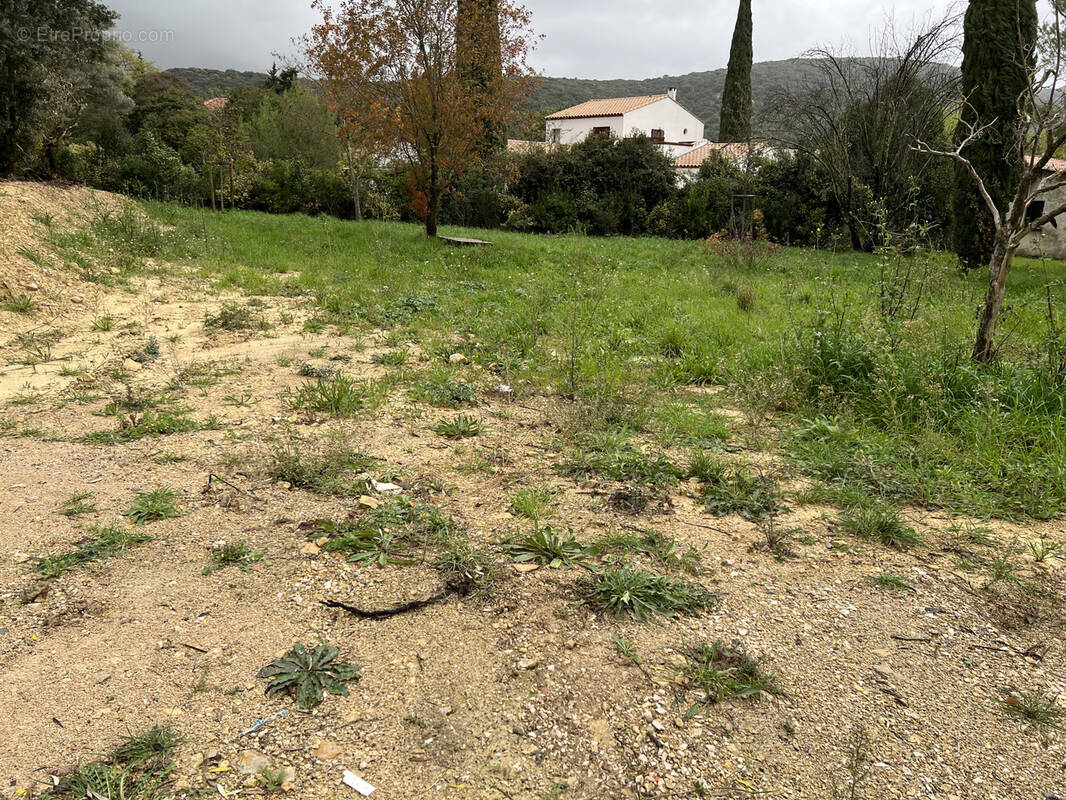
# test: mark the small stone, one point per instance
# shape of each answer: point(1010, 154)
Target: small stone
point(250, 762)
point(885, 671)
point(310, 549)
point(327, 751)
point(456, 358)
point(658, 725)
point(523, 568)
point(368, 502)
point(131, 366)
point(102, 677)
point(528, 663)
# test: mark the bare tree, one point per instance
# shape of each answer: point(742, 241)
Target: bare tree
point(1038, 135)
point(859, 119)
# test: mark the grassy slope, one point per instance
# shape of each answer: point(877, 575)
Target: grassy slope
point(642, 319)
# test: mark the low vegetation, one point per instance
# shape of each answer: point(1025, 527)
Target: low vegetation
point(642, 595)
point(307, 674)
point(104, 542)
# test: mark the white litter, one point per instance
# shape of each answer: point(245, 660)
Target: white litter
point(503, 388)
point(386, 488)
point(357, 783)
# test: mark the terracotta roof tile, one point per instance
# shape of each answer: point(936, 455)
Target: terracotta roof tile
point(731, 151)
point(613, 107)
point(216, 103)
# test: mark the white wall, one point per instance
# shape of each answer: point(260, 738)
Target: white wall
point(1048, 242)
point(572, 131)
point(676, 123)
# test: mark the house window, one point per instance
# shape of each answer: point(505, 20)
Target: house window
point(658, 135)
point(604, 131)
point(556, 135)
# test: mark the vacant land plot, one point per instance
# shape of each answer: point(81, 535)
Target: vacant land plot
point(563, 517)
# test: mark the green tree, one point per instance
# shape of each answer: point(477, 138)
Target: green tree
point(478, 61)
point(999, 39)
point(735, 122)
point(34, 37)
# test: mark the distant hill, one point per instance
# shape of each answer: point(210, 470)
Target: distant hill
point(700, 92)
point(216, 82)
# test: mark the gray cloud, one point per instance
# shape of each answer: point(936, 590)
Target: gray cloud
point(582, 38)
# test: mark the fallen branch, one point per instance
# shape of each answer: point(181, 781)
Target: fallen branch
point(385, 613)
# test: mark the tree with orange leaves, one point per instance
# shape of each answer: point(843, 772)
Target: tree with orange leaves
point(401, 84)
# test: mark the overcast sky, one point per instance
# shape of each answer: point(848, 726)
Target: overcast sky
point(582, 38)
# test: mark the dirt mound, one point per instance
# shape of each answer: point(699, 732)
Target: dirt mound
point(32, 212)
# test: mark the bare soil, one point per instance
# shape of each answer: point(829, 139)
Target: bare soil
point(520, 695)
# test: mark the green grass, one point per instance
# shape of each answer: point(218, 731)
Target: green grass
point(105, 542)
point(339, 396)
point(77, 504)
point(325, 469)
point(461, 427)
point(881, 523)
point(720, 672)
point(151, 424)
point(234, 554)
point(138, 769)
point(546, 546)
point(892, 582)
point(160, 503)
point(619, 330)
point(19, 304)
point(533, 502)
point(1036, 708)
point(642, 595)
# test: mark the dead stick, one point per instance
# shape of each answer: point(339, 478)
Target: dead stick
point(384, 613)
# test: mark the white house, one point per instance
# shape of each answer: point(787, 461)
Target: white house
point(1050, 240)
point(658, 116)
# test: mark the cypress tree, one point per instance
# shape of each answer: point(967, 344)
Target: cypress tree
point(999, 38)
point(478, 59)
point(735, 122)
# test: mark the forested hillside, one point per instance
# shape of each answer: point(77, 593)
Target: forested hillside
point(700, 92)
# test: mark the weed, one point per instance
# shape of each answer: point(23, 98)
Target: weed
point(242, 400)
point(138, 769)
point(1044, 550)
point(888, 581)
point(103, 323)
point(441, 390)
point(77, 504)
point(776, 538)
point(722, 672)
point(234, 554)
point(324, 469)
point(535, 502)
point(880, 522)
point(149, 352)
point(308, 674)
point(548, 547)
point(741, 491)
point(19, 304)
point(339, 396)
point(104, 543)
point(465, 568)
point(460, 427)
point(1036, 708)
point(627, 650)
point(26, 398)
point(745, 299)
point(857, 766)
point(623, 463)
point(644, 595)
point(309, 370)
point(653, 544)
point(155, 505)
point(271, 780)
point(397, 533)
point(392, 358)
point(170, 458)
point(151, 424)
point(232, 317)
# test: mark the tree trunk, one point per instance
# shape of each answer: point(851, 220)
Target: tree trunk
point(356, 178)
point(984, 348)
point(434, 201)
